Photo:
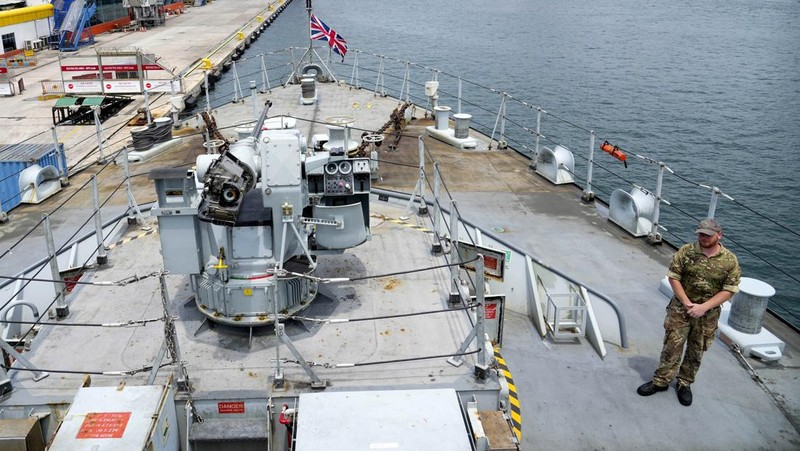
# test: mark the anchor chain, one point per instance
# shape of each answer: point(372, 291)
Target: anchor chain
point(396, 122)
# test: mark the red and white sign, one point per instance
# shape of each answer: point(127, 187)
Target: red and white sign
point(122, 86)
point(83, 86)
point(490, 263)
point(3, 70)
point(104, 425)
point(80, 68)
point(490, 311)
point(109, 67)
point(230, 407)
point(162, 85)
point(121, 67)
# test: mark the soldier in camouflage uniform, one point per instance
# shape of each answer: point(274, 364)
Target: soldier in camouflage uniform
point(703, 275)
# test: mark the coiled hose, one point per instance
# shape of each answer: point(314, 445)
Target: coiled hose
point(156, 132)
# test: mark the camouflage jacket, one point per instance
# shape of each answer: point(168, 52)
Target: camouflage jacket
point(702, 277)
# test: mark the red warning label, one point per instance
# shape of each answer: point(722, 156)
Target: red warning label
point(104, 425)
point(490, 311)
point(230, 407)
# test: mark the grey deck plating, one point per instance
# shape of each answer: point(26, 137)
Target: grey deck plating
point(570, 398)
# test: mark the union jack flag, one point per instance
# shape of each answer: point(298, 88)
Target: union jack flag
point(322, 32)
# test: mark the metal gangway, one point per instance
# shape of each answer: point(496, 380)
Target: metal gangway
point(72, 27)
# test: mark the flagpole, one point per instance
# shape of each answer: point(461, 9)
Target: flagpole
point(310, 41)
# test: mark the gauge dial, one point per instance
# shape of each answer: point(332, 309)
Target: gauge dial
point(331, 168)
point(345, 167)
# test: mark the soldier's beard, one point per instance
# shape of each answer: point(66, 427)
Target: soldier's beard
point(709, 243)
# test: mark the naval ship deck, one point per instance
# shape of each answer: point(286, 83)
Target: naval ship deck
point(224, 358)
point(570, 397)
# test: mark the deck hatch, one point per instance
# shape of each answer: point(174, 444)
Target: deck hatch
point(383, 419)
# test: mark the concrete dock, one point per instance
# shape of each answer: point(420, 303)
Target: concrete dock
point(213, 32)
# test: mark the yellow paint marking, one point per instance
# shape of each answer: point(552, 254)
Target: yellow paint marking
point(513, 399)
point(131, 238)
point(406, 224)
point(75, 129)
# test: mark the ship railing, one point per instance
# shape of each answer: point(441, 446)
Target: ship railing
point(675, 200)
point(557, 303)
point(527, 128)
point(30, 297)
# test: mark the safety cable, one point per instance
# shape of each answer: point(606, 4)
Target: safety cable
point(119, 283)
point(566, 121)
point(609, 171)
point(382, 317)
point(595, 188)
point(119, 127)
point(73, 173)
point(397, 163)
point(762, 216)
point(143, 369)
point(472, 280)
point(26, 234)
point(41, 268)
point(258, 72)
point(598, 165)
point(11, 146)
point(416, 359)
point(376, 276)
point(743, 247)
point(450, 196)
point(15, 174)
point(382, 362)
point(131, 323)
point(511, 97)
point(244, 59)
point(55, 298)
point(446, 223)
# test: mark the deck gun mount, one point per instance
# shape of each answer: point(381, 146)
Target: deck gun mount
point(246, 225)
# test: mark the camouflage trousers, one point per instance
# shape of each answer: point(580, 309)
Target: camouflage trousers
point(681, 330)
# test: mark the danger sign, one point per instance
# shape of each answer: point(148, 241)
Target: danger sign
point(230, 407)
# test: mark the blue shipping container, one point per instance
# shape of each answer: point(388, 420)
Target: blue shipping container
point(15, 158)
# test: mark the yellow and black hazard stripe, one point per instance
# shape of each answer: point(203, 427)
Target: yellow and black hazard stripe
point(513, 398)
point(131, 238)
point(403, 223)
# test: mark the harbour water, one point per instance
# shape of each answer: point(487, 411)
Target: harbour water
point(712, 89)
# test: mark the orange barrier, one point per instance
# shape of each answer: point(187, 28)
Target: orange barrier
point(615, 152)
point(11, 53)
point(174, 8)
point(105, 27)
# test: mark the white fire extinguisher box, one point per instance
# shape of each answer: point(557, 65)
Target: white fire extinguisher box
point(108, 418)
